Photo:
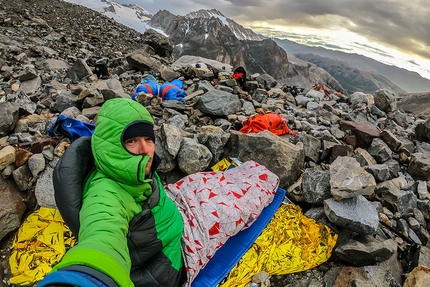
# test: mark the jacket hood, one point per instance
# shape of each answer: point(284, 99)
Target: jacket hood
point(110, 156)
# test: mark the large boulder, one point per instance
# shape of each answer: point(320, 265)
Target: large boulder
point(279, 155)
point(8, 117)
point(219, 103)
point(385, 100)
point(12, 206)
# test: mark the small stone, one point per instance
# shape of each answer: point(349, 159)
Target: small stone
point(61, 147)
point(22, 155)
point(260, 277)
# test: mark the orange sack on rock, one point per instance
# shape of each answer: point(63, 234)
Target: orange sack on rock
point(272, 122)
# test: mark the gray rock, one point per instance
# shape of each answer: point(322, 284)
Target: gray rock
point(313, 106)
point(358, 98)
point(8, 117)
point(363, 157)
point(79, 71)
point(224, 88)
point(171, 138)
point(29, 87)
point(422, 190)
point(178, 121)
point(91, 113)
point(401, 118)
point(36, 164)
point(260, 95)
point(295, 192)
point(377, 112)
point(44, 189)
point(266, 81)
point(186, 60)
point(422, 130)
point(302, 100)
point(29, 73)
point(355, 214)
point(379, 171)
point(159, 42)
point(385, 100)
point(385, 274)
point(424, 207)
point(71, 112)
point(419, 166)
point(23, 177)
point(312, 147)
point(205, 86)
point(391, 140)
point(248, 108)
point(168, 74)
point(12, 207)
point(278, 155)
point(218, 103)
point(316, 95)
point(141, 61)
point(174, 105)
point(64, 101)
point(348, 179)
point(316, 185)
point(366, 251)
point(380, 151)
point(407, 146)
point(402, 201)
point(394, 167)
point(48, 152)
point(193, 157)
point(340, 150)
point(214, 138)
point(55, 65)
point(168, 162)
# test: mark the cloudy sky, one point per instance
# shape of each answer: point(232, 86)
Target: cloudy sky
point(392, 31)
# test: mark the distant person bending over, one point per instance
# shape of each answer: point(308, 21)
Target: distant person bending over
point(129, 232)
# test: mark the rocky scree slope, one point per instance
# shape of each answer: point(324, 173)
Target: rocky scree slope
point(357, 163)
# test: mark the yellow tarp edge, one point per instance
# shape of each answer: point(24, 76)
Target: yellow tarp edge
point(40, 243)
point(290, 243)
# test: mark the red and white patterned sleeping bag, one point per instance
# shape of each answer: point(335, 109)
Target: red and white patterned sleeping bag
point(217, 205)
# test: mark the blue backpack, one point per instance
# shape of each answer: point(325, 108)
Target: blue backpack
point(70, 128)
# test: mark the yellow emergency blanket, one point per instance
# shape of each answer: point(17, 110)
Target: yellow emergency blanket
point(40, 243)
point(290, 243)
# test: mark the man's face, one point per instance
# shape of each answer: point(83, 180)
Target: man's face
point(142, 145)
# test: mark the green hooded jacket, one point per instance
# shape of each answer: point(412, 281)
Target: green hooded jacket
point(117, 192)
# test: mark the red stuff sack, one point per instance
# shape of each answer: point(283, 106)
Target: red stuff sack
point(274, 123)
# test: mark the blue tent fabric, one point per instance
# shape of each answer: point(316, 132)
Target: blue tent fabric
point(148, 85)
point(230, 253)
point(70, 128)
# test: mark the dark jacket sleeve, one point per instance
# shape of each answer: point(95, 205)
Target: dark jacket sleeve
point(69, 178)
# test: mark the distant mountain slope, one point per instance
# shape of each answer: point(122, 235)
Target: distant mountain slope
point(416, 103)
point(352, 78)
point(130, 15)
point(409, 81)
point(211, 36)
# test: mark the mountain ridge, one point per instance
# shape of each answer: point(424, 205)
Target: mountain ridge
point(409, 81)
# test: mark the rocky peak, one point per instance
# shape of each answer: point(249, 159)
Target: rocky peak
point(239, 31)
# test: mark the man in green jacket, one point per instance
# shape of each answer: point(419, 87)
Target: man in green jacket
point(129, 232)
